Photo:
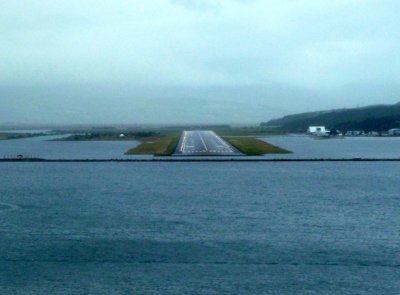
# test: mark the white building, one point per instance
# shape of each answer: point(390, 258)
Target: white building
point(394, 132)
point(314, 130)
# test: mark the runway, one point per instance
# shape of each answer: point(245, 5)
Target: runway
point(204, 143)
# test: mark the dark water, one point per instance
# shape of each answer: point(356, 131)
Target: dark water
point(199, 228)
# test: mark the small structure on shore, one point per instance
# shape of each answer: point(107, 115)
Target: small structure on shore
point(394, 132)
point(355, 133)
point(319, 131)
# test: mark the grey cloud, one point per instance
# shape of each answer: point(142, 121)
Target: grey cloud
point(251, 49)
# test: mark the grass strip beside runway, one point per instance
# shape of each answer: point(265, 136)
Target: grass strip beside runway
point(252, 146)
point(163, 145)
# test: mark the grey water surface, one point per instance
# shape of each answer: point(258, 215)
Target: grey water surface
point(199, 228)
point(303, 146)
point(49, 148)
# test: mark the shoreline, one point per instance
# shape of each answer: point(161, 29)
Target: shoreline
point(189, 159)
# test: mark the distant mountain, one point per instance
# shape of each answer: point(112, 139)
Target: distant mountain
point(370, 118)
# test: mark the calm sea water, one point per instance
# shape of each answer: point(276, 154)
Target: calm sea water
point(348, 147)
point(199, 228)
point(46, 147)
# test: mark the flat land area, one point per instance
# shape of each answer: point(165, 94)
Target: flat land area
point(108, 136)
point(114, 134)
point(166, 141)
point(162, 145)
point(204, 143)
point(252, 146)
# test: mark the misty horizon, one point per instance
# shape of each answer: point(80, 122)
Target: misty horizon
point(194, 62)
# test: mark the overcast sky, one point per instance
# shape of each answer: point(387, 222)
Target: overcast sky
point(184, 61)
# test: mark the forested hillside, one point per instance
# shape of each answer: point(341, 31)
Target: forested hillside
point(371, 118)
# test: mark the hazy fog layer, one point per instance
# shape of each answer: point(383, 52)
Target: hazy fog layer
point(203, 61)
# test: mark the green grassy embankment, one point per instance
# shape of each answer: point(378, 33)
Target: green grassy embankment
point(163, 141)
point(251, 146)
point(247, 131)
point(163, 145)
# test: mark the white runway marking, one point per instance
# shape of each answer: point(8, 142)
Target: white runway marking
point(202, 140)
point(183, 141)
point(203, 143)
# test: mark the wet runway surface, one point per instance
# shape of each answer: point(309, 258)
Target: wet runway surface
point(204, 142)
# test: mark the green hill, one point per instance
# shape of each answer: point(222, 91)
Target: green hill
point(370, 118)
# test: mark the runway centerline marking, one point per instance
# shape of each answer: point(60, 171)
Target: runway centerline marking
point(202, 140)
